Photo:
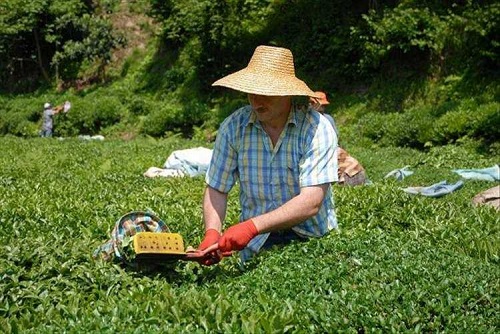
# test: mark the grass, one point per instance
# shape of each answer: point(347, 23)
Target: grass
point(398, 263)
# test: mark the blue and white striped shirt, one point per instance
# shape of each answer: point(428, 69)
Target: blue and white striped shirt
point(305, 155)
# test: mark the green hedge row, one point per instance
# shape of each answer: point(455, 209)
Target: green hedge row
point(103, 112)
point(418, 127)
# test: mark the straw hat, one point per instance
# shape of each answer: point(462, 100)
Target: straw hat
point(270, 72)
point(320, 98)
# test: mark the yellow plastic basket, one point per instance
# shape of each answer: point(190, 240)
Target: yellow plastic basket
point(158, 246)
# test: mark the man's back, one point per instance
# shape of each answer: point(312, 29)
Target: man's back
point(47, 121)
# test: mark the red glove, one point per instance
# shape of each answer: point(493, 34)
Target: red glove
point(212, 236)
point(237, 236)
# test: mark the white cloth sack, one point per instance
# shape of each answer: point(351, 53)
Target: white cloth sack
point(189, 162)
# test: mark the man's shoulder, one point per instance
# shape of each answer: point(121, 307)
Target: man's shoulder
point(238, 117)
point(308, 117)
point(243, 112)
point(328, 117)
point(312, 123)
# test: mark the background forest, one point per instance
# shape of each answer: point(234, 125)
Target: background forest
point(399, 73)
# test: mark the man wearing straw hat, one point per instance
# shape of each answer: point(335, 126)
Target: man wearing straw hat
point(283, 157)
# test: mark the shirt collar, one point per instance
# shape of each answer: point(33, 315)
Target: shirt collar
point(292, 117)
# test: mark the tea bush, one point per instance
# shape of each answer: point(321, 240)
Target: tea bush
point(486, 125)
point(159, 118)
point(174, 117)
point(419, 114)
point(90, 116)
point(412, 128)
point(398, 263)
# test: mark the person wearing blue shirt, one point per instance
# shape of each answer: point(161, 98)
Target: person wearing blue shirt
point(350, 171)
point(319, 103)
point(283, 157)
point(47, 119)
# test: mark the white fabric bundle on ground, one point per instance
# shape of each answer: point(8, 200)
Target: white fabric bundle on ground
point(189, 162)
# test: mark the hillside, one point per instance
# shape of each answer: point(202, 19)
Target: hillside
point(397, 74)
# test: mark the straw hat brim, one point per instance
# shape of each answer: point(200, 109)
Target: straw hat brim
point(253, 82)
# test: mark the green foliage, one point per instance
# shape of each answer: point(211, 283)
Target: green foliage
point(158, 120)
point(16, 124)
point(486, 125)
point(18, 16)
point(90, 116)
point(213, 37)
point(469, 120)
point(400, 29)
point(446, 37)
point(399, 263)
point(410, 73)
point(96, 45)
point(434, 113)
point(410, 129)
point(53, 39)
point(318, 33)
point(174, 118)
point(21, 116)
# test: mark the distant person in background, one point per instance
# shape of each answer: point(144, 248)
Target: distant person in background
point(350, 171)
point(319, 104)
point(47, 119)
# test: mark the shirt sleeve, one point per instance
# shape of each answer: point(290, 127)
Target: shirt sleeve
point(223, 170)
point(319, 163)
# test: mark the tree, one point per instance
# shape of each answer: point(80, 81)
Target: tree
point(20, 43)
point(58, 38)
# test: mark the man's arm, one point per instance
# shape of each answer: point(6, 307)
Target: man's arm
point(58, 109)
point(298, 209)
point(301, 207)
point(214, 212)
point(214, 208)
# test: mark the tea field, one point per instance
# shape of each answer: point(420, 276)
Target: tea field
point(398, 263)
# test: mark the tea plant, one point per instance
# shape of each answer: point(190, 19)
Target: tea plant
point(398, 262)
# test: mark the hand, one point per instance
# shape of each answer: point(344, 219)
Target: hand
point(212, 236)
point(316, 105)
point(237, 236)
